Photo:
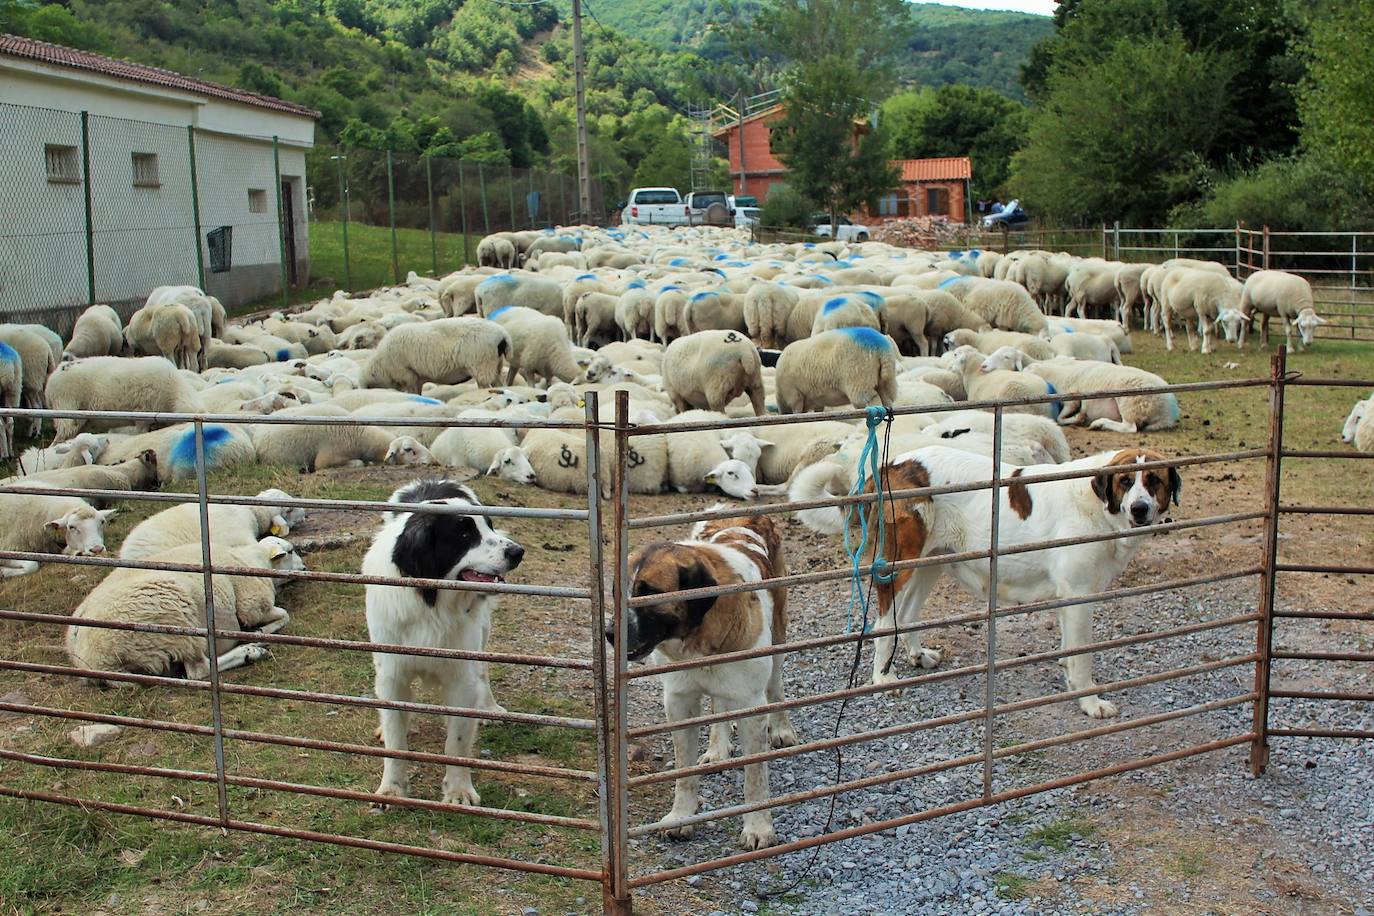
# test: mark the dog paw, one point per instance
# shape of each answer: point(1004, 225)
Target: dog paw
point(1097, 708)
point(461, 795)
point(925, 658)
point(758, 836)
point(255, 652)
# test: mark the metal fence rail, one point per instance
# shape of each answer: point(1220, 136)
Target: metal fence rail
point(1229, 715)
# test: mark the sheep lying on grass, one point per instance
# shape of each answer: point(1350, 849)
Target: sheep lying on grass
point(49, 524)
point(1127, 414)
point(177, 599)
point(1359, 426)
point(229, 525)
point(137, 473)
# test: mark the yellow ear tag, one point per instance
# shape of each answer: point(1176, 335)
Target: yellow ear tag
point(277, 530)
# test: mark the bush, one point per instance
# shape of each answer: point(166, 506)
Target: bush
point(786, 208)
point(1299, 194)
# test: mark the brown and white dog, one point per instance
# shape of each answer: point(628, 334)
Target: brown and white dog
point(1119, 498)
point(718, 552)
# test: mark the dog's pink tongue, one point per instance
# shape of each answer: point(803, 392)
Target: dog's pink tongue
point(471, 575)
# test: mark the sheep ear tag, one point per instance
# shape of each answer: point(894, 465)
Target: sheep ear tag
point(277, 530)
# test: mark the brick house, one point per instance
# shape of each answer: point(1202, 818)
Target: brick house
point(928, 186)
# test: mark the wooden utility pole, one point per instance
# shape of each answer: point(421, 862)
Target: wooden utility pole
point(584, 177)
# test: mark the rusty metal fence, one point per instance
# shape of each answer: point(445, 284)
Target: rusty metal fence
point(1240, 711)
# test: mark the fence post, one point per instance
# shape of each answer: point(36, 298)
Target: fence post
point(281, 225)
point(391, 217)
point(86, 182)
point(343, 205)
point(1175, 243)
point(1266, 246)
point(615, 889)
point(211, 629)
point(1238, 276)
point(433, 239)
point(463, 209)
point(1264, 629)
point(482, 187)
point(195, 205)
point(990, 696)
point(563, 195)
point(1116, 238)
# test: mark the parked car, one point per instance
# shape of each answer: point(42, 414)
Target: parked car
point(848, 232)
point(655, 206)
point(710, 208)
point(1008, 218)
point(747, 217)
point(742, 200)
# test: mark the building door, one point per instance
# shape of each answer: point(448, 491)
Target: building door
point(937, 201)
point(288, 215)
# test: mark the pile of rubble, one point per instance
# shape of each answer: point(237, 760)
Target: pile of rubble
point(921, 232)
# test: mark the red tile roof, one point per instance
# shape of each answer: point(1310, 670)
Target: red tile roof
point(14, 46)
point(944, 168)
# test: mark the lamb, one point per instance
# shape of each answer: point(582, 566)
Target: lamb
point(221, 355)
point(849, 366)
point(594, 318)
point(84, 448)
point(528, 290)
point(1272, 293)
point(1005, 305)
point(1127, 414)
point(1359, 426)
point(177, 599)
point(11, 390)
point(49, 524)
point(1086, 346)
point(540, 349)
point(230, 526)
point(766, 309)
point(497, 251)
point(446, 351)
point(710, 369)
point(97, 332)
point(112, 383)
point(175, 447)
point(137, 473)
point(988, 342)
point(634, 312)
point(36, 363)
point(853, 310)
point(1197, 295)
point(168, 330)
point(983, 384)
point(713, 310)
point(316, 448)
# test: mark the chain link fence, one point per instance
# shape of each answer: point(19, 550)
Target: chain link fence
point(105, 209)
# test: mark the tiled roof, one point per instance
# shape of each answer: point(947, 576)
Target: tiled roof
point(943, 168)
point(14, 46)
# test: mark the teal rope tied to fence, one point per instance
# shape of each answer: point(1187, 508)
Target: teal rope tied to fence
point(868, 466)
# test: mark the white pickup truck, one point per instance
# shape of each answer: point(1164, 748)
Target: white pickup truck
point(849, 232)
point(655, 206)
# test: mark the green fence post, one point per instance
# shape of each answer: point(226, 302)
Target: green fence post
point(433, 240)
point(86, 181)
point(281, 225)
point(563, 195)
point(510, 194)
point(463, 210)
point(195, 205)
point(391, 216)
point(482, 185)
point(343, 206)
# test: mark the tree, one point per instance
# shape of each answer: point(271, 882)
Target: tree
point(957, 121)
point(1125, 138)
point(1338, 95)
point(668, 163)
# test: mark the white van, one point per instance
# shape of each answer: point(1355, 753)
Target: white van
point(655, 206)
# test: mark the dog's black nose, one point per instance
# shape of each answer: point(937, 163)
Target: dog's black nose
point(1140, 511)
point(514, 554)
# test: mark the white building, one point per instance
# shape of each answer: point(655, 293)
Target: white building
point(116, 194)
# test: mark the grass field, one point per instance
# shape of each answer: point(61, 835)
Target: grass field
point(57, 859)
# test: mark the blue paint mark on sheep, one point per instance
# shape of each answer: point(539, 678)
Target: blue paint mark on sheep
point(637, 284)
point(1173, 409)
point(839, 265)
point(867, 338)
point(586, 277)
point(833, 304)
point(875, 300)
point(974, 252)
point(421, 399)
point(1056, 407)
point(183, 454)
point(715, 270)
point(8, 354)
point(501, 311)
point(678, 262)
point(808, 244)
point(670, 286)
point(705, 294)
point(950, 282)
point(283, 355)
point(497, 280)
point(720, 257)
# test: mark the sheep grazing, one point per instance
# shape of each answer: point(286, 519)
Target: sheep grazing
point(594, 318)
point(177, 599)
point(766, 309)
point(97, 332)
point(49, 524)
point(1276, 293)
point(137, 473)
point(540, 349)
point(854, 367)
point(1197, 296)
point(1359, 426)
point(851, 310)
point(1006, 306)
point(168, 330)
point(229, 526)
point(1091, 286)
point(714, 310)
point(945, 313)
point(36, 363)
point(539, 293)
point(446, 351)
point(148, 384)
point(709, 369)
point(497, 250)
point(990, 384)
point(1126, 414)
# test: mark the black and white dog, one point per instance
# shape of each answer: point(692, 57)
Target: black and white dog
point(432, 546)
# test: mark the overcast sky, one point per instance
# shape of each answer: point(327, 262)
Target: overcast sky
point(1043, 7)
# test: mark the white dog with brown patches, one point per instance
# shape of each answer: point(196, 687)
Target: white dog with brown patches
point(718, 552)
point(1118, 499)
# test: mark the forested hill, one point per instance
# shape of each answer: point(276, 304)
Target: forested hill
point(949, 44)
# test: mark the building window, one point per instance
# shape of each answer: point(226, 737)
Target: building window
point(888, 205)
point(937, 201)
point(63, 165)
point(145, 170)
point(257, 200)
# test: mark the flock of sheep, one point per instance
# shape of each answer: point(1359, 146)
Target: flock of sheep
point(694, 324)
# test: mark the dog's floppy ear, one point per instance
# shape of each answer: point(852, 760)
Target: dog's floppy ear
point(696, 576)
point(1175, 484)
point(1103, 487)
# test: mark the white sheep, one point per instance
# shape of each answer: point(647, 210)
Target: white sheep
point(366, 335)
point(36, 363)
point(1041, 432)
point(175, 447)
point(84, 448)
point(97, 332)
point(1125, 414)
point(315, 448)
point(446, 351)
point(559, 459)
point(1128, 291)
point(169, 330)
point(1359, 426)
point(177, 599)
point(634, 312)
point(945, 313)
point(208, 312)
point(1005, 305)
point(1091, 286)
point(497, 250)
point(527, 290)
point(11, 393)
point(988, 384)
point(1197, 296)
point(594, 318)
point(49, 524)
point(229, 526)
point(714, 310)
point(221, 355)
point(848, 310)
point(773, 453)
point(482, 449)
point(766, 310)
point(112, 383)
point(988, 342)
point(540, 349)
point(709, 369)
point(1271, 293)
point(1086, 346)
point(1103, 327)
point(136, 473)
point(669, 305)
point(692, 456)
point(850, 366)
